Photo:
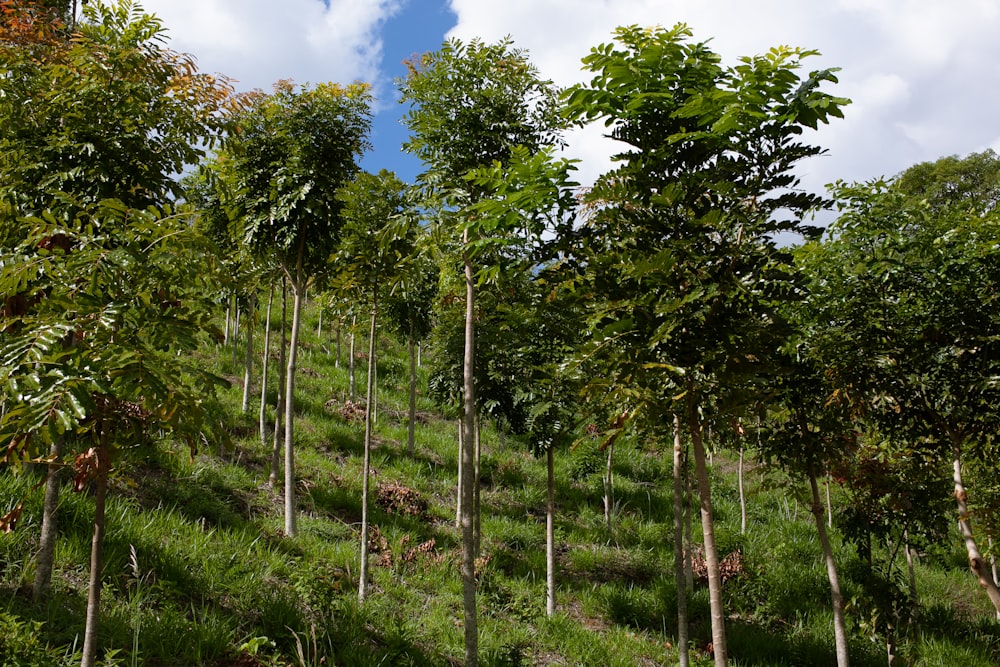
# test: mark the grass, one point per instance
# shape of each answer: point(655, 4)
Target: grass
point(198, 571)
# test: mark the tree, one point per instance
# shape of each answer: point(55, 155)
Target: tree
point(680, 254)
point(287, 156)
point(110, 115)
point(472, 105)
point(909, 326)
point(375, 240)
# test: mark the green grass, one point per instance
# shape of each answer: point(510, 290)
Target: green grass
point(198, 571)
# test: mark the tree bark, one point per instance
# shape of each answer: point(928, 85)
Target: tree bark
point(248, 359)
point(550, 534)
point(350, 358)
point(679, 574)
point(608, 487)
point(49, 533)
point(458, 483)
point(976, 562)
point(262, 413)
point(365, 471)
point(468, 473)
point(837, 598)
point(718, 613)
point(476, 514)
point(743, 497)
point(279, 407)
point(411, 435)
point(96, 555)
point(298, 289)
point(336, 363)
point(236, 329)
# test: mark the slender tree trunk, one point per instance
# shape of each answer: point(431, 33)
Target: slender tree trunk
point(319, 327)
point(718, 613)
point(236, 329)
point(688, 531)
point(96, 555)
point(248, 360)
point(550, 534)
point(365, 471)
point(419, 349)
point(336, 363)
point(47, 541)
point(350, 358)
point(679, 578)
point(609, 487)
point(411, 435)
point(476, 514)
point(229, 318)
point(976, 562)
point(912, 575)
point(743, 496)
point(468, 474)
point(262, 414)
point(458, 483)
point(374, 374)
point(837, 598)
point(279, 406)
point(298, 289)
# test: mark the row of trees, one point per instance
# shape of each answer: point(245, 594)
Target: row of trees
point(657, 300)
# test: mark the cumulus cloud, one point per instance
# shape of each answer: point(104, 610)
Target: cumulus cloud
point(922, 73)
point(258, 42)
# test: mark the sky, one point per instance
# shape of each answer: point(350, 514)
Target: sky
point(923, 75)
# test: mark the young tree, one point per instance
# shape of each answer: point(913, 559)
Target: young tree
point(681, 254)
point(112, 114)
point(472, 105)
point(375, 240)
point(287, 156)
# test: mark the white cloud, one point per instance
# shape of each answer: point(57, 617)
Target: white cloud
point(922, 74)
point(258, 42)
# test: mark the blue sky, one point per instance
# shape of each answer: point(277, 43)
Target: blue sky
point(924, 75)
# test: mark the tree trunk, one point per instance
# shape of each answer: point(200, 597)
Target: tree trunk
point(262, 414)
point(365, 471)
point(298, 290)
point(336, 363)
point(279, 407)
point(411, 435)
point(476, 514)
point(608, 487)
point(458, 483)
point(718, 613)
point(468, 474)
point(829, 506)
point(688, 532)
point(976, 563)
point(229, 318)
point(374, 373)
point(743, 497)
point(839, 626)
point(550, 534)
point(679, 578)
point(236, 329)
point(350, 358)
point(47, 541)
point(96, 555)
point(248, 360)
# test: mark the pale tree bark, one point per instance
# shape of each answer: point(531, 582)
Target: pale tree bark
point(262, 413)
point(469, 474)
point(679, 573)
point(609, 486)
point(458, 483)
point(336, 363)
point(743, 496)
point(688, 532)
point(718, 613)
point(837, 598)
point(229, 318)
point(976, 562)
point(236, 329)
point(411, 435)
point(829, 506)
point(96, 554)
point(279, 405)
point(298, 289)
point(365, 471)
point(248, 359)
point(350, 358)
point(550, 534)
point(49, 533)
point(476, 514)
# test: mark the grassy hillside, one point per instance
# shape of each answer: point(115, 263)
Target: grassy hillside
point(198, 572)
